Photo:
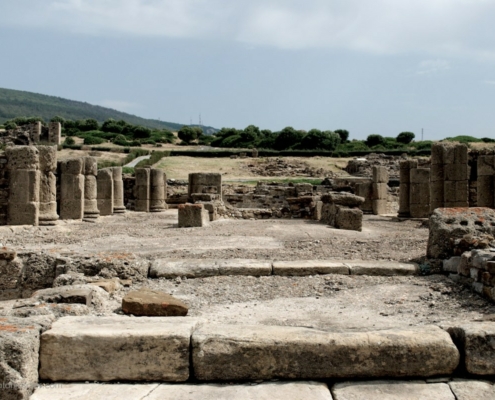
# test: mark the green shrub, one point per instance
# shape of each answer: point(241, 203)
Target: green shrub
point(463, 139)
point(128, 170)
point(89, 140)
point(69, 141)
point(374, 140)
point(405, 137)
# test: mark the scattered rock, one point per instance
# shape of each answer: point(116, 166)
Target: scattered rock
point(152, 303)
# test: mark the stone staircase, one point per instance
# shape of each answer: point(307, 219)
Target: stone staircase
point(186, 358)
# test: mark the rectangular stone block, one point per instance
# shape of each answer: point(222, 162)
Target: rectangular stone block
point(309, 267)
point(437, 192)
point(456, 172)
point(193, 215)
point(381, 268)
point(380, 175)
point(404, 201)
point(24, 186)
point(486, 165)
point(461, 154)
point(437, 154)
point(379, 191)
point(414, 193)
point(452, 264)
point(420, 175)
point(475, 340)
point(379, 207)
point(485, 191)
point(437, 173)
point(349, 218)
point(116, 348)
point(462, 192)
point(420, 210)
point(104, 194)
point(23, 214)
point(275, 352)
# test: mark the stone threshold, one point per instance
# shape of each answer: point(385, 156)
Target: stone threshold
point(199, 268)
point(369, 390)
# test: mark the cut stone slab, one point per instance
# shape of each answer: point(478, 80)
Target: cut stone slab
point(116, 348)
point(382, 268)
point(108, 285)
point(194, 268)
point(264, 391)
point(19, 352)
point(472, 390)
point(153, 303)
point(392, 390)
point(477, 342)
point(93, 391)
point(309, 267)
point(268, 352)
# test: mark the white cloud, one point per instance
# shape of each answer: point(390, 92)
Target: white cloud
point(429, 67)
point(440, 27)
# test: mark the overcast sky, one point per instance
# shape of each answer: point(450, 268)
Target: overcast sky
point(369, 66)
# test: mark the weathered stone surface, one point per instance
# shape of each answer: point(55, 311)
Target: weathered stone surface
point(142, 189)
point(382, 268)
point(379, 207)
point(108, 285)
point(10, 269)
point(452, 264)
point(343, 199)
point(94, 391)
point(447, 224)
point(118, 191)
point(267, 352)
point(19, 349)
point(472, 390)
point(392, 390)
point(104, 192)
point(116, 348)
point(193, 215)
point(263, 391)
point(77, 294)
point(153, 303)
point(380, 175)
point(349, 219)
point(476, 342)
point(309, 267)
point(194, 268)
point(205, 183)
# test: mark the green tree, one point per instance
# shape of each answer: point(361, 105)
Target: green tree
point(344, 135)
point(140, 132)
point(69, 141)
point(189, 133)
point(318, 140)
point(405, 137)
point(85, 125)
point(58, 118)
point(287, 138)
point(110, 125)
point(374, 140)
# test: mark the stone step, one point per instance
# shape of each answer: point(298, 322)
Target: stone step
point(264, 391)
point(269, 352)
point(116, 348)
point(371, 390)
point(198, 268)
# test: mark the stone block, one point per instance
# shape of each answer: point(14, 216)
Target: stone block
point(142, 189)
point(420, 175)
point(485, 191)
point(198, 182)
point(24, 186)
point(47, 158)
point(437, 154)
point(380, 175)
point(118, 191)
point(392, 390)
point(193, 215)
point(73, 166)
point(349, 218)
point(157, 190)
point(153, 303)
point(90, 166)
point(22, 157)
point(404, 202)
point(420, 210)
point(116, 348)
point(19, 355)
point(10, 271)
point(461, 154)
point(23, 214)
point(343, 199)
point(437, 192)
point(309, 267)
point(379, 207)
point(276, 352)
point(448, 150)
point(104, 193)
point(379, 191)
point(95, 391)
point(456, 172)
point(55, 133)
point(437, 173)
point(472, 390)
point(452, 264)
point(381, 268)
point(475, 340)
point(486, 165)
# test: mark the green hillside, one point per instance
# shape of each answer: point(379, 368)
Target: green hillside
point(16, 103)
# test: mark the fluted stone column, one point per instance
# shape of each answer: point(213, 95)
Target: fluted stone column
point(157, 190)
point(118, 191)
point(104, 195)
point(142, 189)
point(90, 188)
point(72, 189)
point(55, 133)
point(24, 185)
point(48, 185)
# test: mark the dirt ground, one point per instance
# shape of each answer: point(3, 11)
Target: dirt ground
point(327, 302)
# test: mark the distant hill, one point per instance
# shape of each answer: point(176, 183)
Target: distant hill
point(16, 103)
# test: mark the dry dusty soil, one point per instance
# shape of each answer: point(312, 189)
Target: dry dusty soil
point(328, 302)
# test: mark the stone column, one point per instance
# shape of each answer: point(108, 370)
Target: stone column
point(90, 188)
point(456, 185)
point(118, 191)
point(55, 133)
point(437, 177)
point(104, 195)
point(380, 190)
point(72, 189)
point(24, 185)
point(48, 185)
point(405, 187)
point(485, 187)
point(142, 189)
point(158, 190)
point(419, 200)
point(35, 131)
point(364, 189)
